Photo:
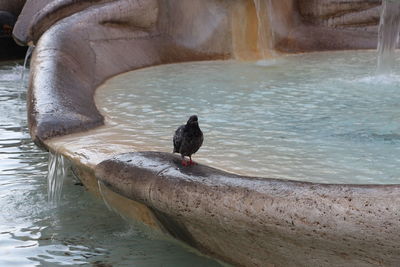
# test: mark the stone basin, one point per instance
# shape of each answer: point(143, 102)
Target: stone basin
point(241, 220)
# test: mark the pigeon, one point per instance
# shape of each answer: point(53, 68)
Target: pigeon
point(188, 139)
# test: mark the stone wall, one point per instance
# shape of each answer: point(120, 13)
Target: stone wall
point(250, 221)
point(332, 25)
point(357, 15)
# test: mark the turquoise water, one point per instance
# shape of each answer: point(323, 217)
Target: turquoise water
point(80, 230)
point(320, 117)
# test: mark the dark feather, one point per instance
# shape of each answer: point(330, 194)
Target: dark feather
point(178, 138)
point(188, 138)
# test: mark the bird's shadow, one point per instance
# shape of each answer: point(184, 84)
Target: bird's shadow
point(175, 162)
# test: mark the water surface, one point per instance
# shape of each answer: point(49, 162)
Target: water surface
point(80, 230)
point(321, 117)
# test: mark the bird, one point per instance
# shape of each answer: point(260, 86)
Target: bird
point(187, 139)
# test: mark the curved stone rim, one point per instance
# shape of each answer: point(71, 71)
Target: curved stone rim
point(50, 13)
point(259, 213)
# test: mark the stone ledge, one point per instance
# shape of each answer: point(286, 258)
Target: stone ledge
point(253, 221)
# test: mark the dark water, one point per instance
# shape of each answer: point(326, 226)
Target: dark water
point(80, 230)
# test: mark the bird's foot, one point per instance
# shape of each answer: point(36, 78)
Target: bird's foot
point(185, 163)
point(191, 162)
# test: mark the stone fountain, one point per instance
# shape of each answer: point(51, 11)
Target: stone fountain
point(241, 220)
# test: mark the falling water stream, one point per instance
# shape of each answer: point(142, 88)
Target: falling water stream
point(27, 57)
point(56, 174)
point(388, 37)
point(265, 33)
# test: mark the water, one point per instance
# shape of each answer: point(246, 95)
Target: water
point(27, 57)
point(389, 28)
point(265, 33)
point(321, 117)
point(79, 230)
point(56, 174)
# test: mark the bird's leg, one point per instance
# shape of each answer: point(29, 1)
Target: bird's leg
point(191, 162)
point(184, 162)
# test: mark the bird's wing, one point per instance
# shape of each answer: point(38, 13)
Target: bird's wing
point(201, 140)
point(197, 142)
point(178, 137)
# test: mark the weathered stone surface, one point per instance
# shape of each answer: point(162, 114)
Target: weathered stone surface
point(79, 52)
point(341, 13)
point(255, 222)
point(301, 26)
point(351, 20)
point(39, 15)
point(302, 39)
point(26, 18)
point(330, 25)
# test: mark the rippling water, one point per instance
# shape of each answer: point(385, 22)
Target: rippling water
point(80, 230)
point(322, 117)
